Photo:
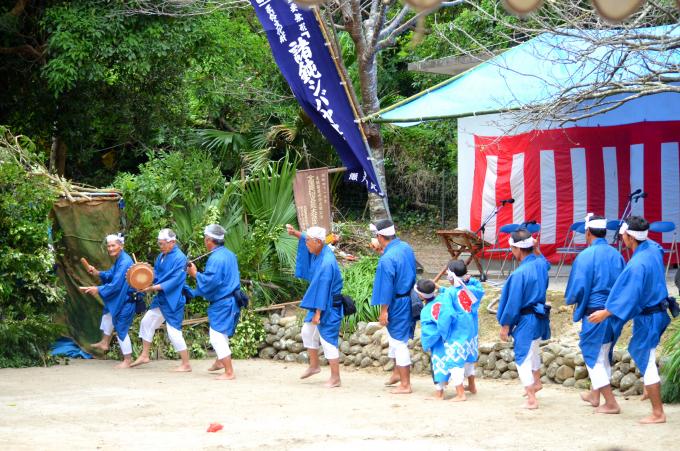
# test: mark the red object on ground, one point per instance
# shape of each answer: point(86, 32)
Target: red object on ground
point(214, 427)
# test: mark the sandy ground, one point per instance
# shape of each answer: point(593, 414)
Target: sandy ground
point(89, 405)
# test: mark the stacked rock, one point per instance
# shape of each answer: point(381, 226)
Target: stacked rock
point(367, 348)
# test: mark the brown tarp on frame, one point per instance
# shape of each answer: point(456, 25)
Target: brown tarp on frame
point(82, 226)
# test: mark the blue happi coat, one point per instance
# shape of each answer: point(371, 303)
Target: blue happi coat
point(642, 284)
point(432, 338)
point(217, 284)
point(475, 286)
point(115, 292)
point(170, 273)
point(325, 283)
point(592, 276)
point(394, 279)
point(461, 336)
point(525, 288)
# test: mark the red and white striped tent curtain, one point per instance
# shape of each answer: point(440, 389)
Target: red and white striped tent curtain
point(557, 176)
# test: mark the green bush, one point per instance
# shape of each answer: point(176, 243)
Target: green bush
point(670, 388)
point(358, 284)
point(29, 295)
point(249, 334)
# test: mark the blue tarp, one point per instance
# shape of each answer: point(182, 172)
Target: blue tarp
point(536, 71)
point(65, 346)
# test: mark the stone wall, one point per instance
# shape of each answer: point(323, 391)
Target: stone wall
point(367, 347)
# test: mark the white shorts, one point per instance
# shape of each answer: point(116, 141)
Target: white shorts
point(106, 325)
point(601, 373)
point(125, 345)
point(457, 376)
point(651, 375)
point(470, 369)
point(220, 343)
point(312, 340)
point(153, 319)
point(398, 351)
point(531, 363)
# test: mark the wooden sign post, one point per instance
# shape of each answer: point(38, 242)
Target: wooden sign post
point(312, 198)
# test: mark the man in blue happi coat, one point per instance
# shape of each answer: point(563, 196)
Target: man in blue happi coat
point(218, 284)
point(522, 311)
point(592, 276)
point(119, 311)
point(316, 263)
point(394, 279)
point(168, 303)
point(640, 294)
point(457, 275)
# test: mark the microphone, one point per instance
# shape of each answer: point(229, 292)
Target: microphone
point(643, 195)
point(508, 201)
point(636, 192)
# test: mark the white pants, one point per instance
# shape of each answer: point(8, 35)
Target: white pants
point(312, 340)
point(398, 351)
point(106, 325)
point(152, 320)
point(470, 369)
point(601, 373)
point(531, 363)
point(125, 345)
point(651, 375)
point(457, 376)
point(220, 343)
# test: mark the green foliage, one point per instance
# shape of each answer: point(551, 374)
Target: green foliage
point(166, 183)
point(28, 291)
point(358, 284)
point(670, 389)
point(248, 336)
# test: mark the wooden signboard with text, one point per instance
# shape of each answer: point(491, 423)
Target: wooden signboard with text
point(312, 198)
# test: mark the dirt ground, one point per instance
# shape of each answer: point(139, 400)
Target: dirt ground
point(89, 405)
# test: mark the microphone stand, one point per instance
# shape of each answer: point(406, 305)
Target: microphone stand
point(626, 212)
point(482, 228)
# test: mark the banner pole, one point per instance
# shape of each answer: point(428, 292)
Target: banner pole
point(350, 98)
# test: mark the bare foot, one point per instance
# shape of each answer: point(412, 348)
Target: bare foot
point(654, 419)
point(393, 380)
point(458, 398)
point(471, 388)
point(310, 372)
point(225, 377)
point(401, 390)
point(216, 366)
point(183, 369)
point(141, 360)
point(123, 364)
point(100, 346)
point(612, 410)
point(588, 397)
point(436, 396)
point(644, 396)
point(530, 405)
point(332, 383)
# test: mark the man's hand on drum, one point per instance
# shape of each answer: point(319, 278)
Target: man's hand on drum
point(151, 289)
point(192, 270)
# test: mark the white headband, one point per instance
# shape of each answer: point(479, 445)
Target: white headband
point(115, 237)
point(165, 235)
point(595, 223)
point(317, 232)
point(523, 244)
point(640, 235)
point(425, 295)
point(209, 234)
point(389, 231)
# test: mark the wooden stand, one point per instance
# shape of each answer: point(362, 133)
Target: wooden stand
point(459, 242)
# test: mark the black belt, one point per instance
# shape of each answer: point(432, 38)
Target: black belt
point(530, 311)
point(591, 310)
point(408, 293)
point(660, 307)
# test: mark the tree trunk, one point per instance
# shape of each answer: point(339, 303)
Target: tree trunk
point(368, 74)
